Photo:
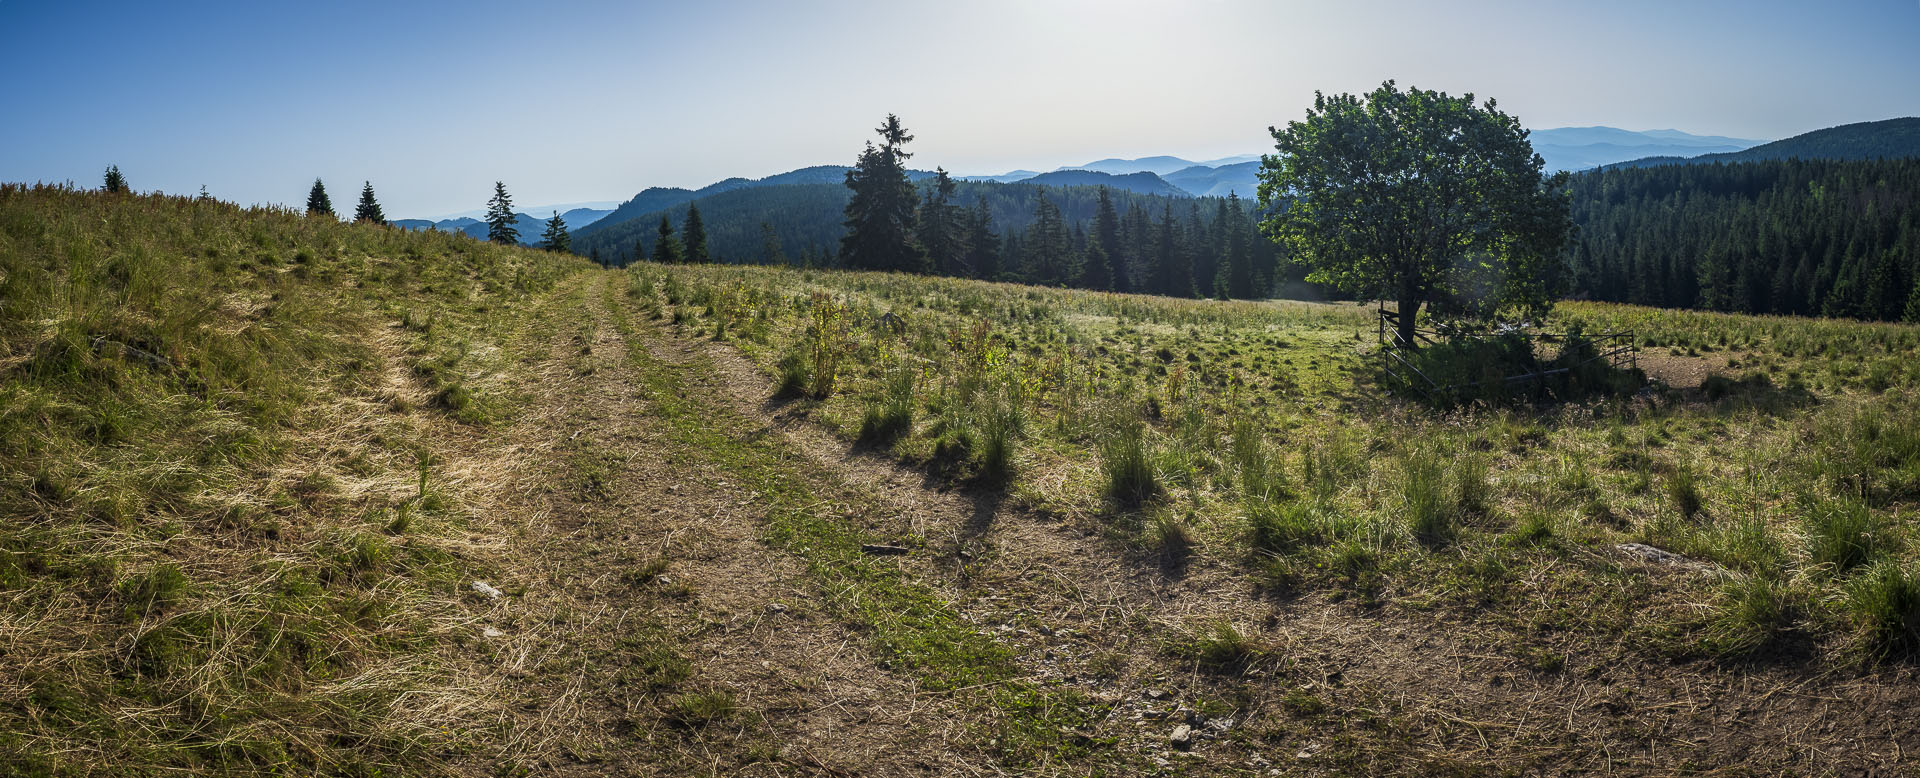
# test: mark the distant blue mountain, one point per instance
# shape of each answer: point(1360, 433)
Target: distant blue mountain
point(1158, 166)
point(1143, 183)
point(530, 227)
point(1242, 178)
point(1580, 148)
point(1004, 178)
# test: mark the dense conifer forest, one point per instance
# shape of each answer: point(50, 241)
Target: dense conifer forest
point(1814, 238)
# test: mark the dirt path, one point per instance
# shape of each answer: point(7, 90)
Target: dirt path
point(611, 661)
point(1333, 688)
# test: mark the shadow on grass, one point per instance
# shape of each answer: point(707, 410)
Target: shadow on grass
point(1506, 370)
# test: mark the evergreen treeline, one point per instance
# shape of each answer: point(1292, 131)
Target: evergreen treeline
point(1168, 245)
point(1820, 238)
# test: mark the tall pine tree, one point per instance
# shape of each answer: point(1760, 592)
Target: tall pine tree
point(500, 217)
point(368, 212)
point(556, 238)
point(983, 250)
point(666, 249)
point(1106, 237)
point(115, 183)
point(939, 234)
point(317, 201)
point(695, 232)
point(879, 215)
point(1048, 247)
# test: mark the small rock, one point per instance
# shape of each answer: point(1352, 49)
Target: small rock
point(1155, 694)
point(1182, 737)
point(774, 607)
point(1220, 725)
point(492, 632)
point(486, 590)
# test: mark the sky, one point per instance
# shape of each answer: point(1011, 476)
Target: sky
point(582, 101)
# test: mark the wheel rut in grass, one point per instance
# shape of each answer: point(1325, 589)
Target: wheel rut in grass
point(647, 627)
point(1335, 687)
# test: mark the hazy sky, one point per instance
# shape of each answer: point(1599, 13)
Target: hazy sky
point(598, 100)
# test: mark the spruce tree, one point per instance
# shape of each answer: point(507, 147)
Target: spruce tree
point(500, 217)
point(879, 215)
point(1049, 247)
point(939, 234)
point(1095, 269)
point(556, 237)
point(317, 201)
point(983, 250)
point(1239, 263)
point(1106, 235)
point(369, 209)
point(666, 250)
point(116, 183)
point(695, 233)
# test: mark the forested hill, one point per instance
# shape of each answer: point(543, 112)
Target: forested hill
point(1817, 237)
point(1889, 139)
point(807, 218)
point(656, 199)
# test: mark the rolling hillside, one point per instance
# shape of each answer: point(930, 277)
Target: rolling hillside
point(1888, 139)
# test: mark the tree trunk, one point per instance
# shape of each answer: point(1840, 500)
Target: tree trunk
point(1409, 311)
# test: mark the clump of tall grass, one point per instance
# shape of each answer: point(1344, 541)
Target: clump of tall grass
point(1282, 527)
point(1127, 464)
point(1002, 422)
point(1753, 610)
point(1885, 600)
point(890, 415)
point(1423, 496)
point(1683, 493)
point(1842, 533)
point(1253, 459)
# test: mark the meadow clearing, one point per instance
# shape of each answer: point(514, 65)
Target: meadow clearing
point(758, 521)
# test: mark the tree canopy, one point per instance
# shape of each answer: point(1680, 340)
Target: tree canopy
point(1417, 197)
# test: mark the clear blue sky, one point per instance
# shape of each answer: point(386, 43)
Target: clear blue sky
point(597, 100)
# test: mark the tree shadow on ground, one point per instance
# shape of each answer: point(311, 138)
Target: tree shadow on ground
point(1507, 371)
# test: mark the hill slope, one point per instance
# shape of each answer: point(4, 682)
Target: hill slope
point(1888, 139)
point(226, 545)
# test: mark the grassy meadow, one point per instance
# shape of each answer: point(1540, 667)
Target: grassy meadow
point(225, 545)
point(255, 462)
point(1781, 459)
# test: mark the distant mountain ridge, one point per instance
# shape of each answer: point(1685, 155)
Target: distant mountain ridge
point(1563, 148)
point(530, 227)
point(655, 199)
point(1141, 182)
point(1885, 139)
